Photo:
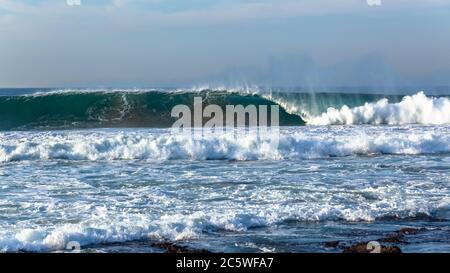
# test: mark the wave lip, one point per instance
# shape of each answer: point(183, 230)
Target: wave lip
point(416, 109)
point(138, 108)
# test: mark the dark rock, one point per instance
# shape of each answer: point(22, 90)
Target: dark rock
point(390, 249)
point(397, 236)
point(333, 244)
point(410, 231)
point(173, 248)
point(362, 248)
point(391, 239)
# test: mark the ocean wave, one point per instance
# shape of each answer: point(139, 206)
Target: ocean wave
point(115, 108)
point(140, 108)
point(416, 109)
point(166, 145)
point(105, 226)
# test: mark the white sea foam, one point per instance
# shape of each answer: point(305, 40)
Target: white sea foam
point(49, 205)
point(110, 226)
point(416, 109)
point(148, 145)
point(116, 227)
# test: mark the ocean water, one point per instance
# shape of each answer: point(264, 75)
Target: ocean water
point(100, 167)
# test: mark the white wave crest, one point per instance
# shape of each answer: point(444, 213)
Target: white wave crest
point(416, 109)
point(294, 143)
point(104, 226)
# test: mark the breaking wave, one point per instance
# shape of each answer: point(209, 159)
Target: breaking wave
point(153, 144)
point(106, 226)
point(71, 109)
point(416, 109)
point(77, 109)
point(185, 227)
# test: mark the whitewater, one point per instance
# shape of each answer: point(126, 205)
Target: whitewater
point(163, 145)
point(416, 109)
point(103, 168)
point(144, 108)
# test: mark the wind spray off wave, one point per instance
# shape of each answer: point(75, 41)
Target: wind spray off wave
point(69, 109)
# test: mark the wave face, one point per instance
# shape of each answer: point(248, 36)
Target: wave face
point(76, 109)
point(416, 109)
point(164, 145)
point(110, 109)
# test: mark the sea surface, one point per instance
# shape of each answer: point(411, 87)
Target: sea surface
point(103, 169)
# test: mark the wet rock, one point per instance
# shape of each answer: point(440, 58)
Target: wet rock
point(362, 248)
point(332, 244)
point(410, 231)
point(391, 239)
point(173, 248)
point(398, 236)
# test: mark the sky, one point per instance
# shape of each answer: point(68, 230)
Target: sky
point(171, 43)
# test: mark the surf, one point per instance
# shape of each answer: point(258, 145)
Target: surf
point(151, 108)
point(415, 109)
point(115, 109)
point(162, 145)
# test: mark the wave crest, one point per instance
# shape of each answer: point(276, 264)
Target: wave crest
point(75, 109)
point(152, 144)
point(416, 109)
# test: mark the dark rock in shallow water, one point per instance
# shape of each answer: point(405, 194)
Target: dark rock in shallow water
point(362, 248)
point(410, 231)
point(332, 244)
point(398, 236)
point(391, 239)
point(173, 248)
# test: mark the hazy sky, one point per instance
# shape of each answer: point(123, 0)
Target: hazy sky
point(138, 43)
